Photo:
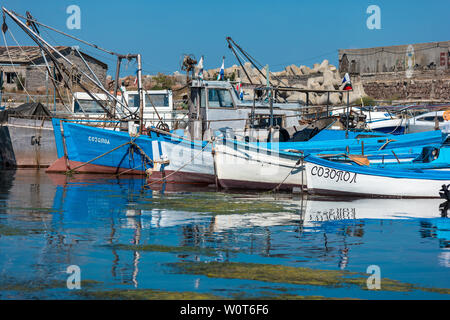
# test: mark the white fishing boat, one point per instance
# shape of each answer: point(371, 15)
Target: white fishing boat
point(426, 122)
point(333, 178)
point(268, 166)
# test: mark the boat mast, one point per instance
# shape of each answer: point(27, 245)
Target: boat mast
point(116, 84)
point(141, 94)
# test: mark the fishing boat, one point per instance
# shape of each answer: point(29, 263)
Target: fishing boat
point(214, 103)
point(87, 149)
point(266, 166)
point(334, 178)
point(426, 122)
point(27, 138)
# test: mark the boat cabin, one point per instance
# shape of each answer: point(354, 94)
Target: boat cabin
point(216, 105)
point(83, 103)
point(161, 100)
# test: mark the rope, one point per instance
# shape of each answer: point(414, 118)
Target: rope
point(142, 151)
point(15, 71)
point(48, 74)
point(65, 34)
point(279, 185)
point(42, 42)
point(176, 171)
point(68, 172)
point(28, 58)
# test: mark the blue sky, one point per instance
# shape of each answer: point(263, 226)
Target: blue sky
point(277, 33)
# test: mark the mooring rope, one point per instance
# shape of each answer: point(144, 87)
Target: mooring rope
point(68, 172)
point(183, 166)
point(15, 71)
point(299, 161)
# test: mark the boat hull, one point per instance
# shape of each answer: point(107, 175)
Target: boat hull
point(28, 143)
point(87, 149)
point(344, 180)
point(257, 169)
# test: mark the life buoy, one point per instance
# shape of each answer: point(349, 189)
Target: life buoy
point(446, 115)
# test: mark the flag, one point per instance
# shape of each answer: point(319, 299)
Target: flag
point(240, 90)
point(221, 74)
point(347, 83)
point(200, 68)
point(136, 79)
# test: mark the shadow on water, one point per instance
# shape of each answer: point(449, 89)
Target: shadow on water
point(125, 236)
point(6, 182)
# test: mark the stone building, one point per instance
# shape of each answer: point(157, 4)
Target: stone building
point(418, 57)
point(416, 72)
point(26, 66)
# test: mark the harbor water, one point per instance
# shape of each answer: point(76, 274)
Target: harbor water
point(126, 240)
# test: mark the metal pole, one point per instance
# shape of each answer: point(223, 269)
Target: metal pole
point(116, 84)
point(46, 88)
point(328, 104)
point(141, 94)
point(1, 87)
point(348, 115)
point(269, 95)
point(36, 38)
point(54, 90)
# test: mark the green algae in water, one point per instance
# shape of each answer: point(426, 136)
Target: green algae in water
point(152, 294)
point(48, 210)
point(147, 294)
point(218, 206)
point(36, 286)
point(161, 248)
point(11, 231)
point(286, 296)
point(293, 275)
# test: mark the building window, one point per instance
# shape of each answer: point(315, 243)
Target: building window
point(11, 77)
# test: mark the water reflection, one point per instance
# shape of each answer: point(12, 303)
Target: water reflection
point(87, 217)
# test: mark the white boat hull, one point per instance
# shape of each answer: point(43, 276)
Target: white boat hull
point(329, 181)
point(188, 163)
point(238, 168)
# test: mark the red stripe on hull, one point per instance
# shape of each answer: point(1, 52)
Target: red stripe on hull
point(60, 166)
